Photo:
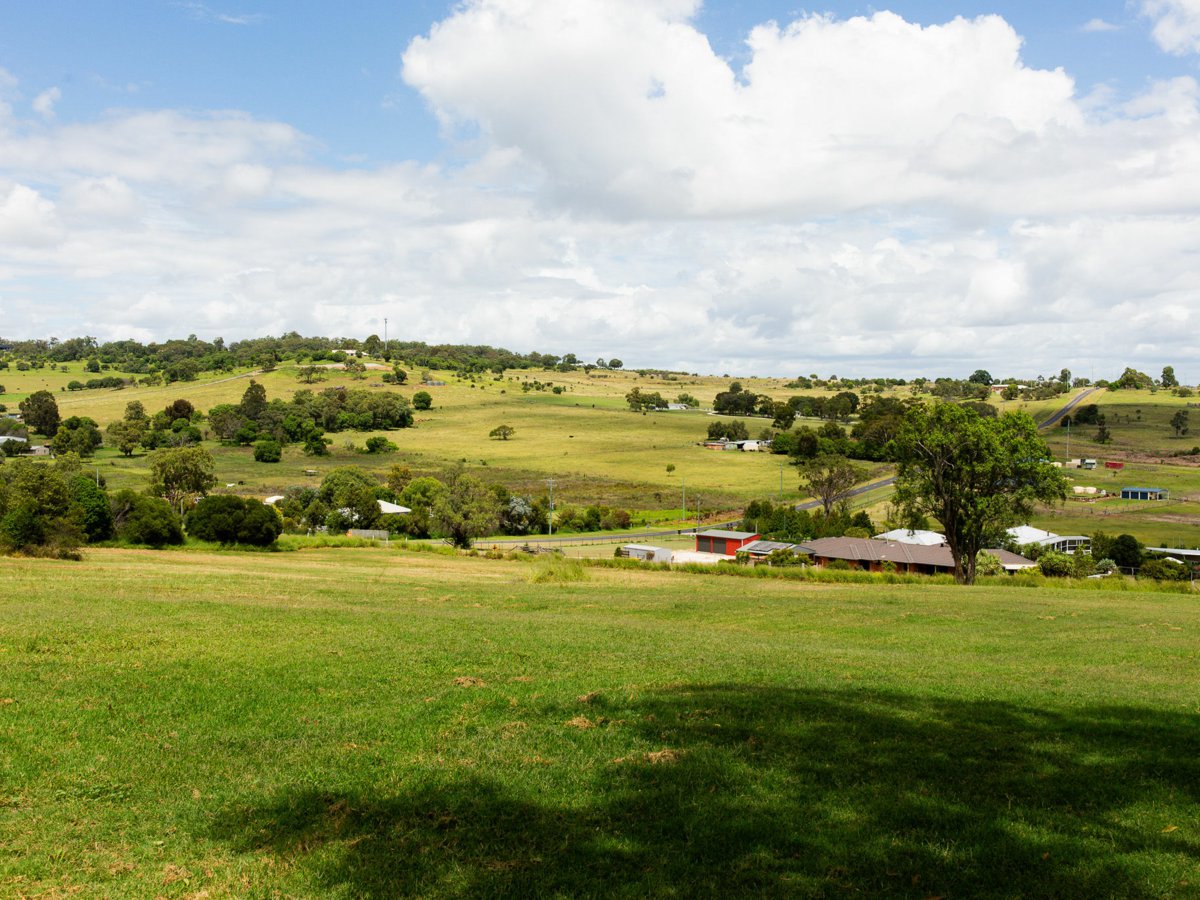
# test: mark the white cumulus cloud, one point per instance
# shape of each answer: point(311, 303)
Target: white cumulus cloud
point(865, 196)
point(1176, 24)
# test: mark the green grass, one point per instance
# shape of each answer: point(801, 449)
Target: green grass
point(598, 452)
point(356, 722)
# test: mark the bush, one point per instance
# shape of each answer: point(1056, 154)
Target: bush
point(988, 564)
point(422, 400)
point(145, 520)
point(267, 451)
point(1163, 570)
point(227, 519)
point(380, 444)
point(1054, 564)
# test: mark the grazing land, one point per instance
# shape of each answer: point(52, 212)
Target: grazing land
point(382, 723)
point(599, 452)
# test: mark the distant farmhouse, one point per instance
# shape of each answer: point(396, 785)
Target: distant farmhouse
point(872, 555)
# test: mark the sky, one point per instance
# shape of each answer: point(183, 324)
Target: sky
point(908, 189)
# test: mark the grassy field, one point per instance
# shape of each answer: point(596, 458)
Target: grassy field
point(598, 452)
point(378, 723)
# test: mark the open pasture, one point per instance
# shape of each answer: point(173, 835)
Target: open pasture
point(375, 723)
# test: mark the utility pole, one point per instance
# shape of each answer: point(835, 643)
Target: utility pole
point(781, 482)
point(550, 514)
point(684, 481)
point(1068, 438)
point(385, 346)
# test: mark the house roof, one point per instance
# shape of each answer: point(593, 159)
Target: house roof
point(1152, 489)
point(767, 546)
point(5, 438)
point(727, 535)
point(391, 508)
point(1027, 534)
point(911, 536)
point(872, 550)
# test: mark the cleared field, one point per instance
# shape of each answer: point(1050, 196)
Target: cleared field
point(372, 723)
point(598, 452)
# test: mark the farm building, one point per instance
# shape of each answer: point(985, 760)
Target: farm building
point(726, 543)
point(646, 552)
point(874, 556)
point(1144, 493)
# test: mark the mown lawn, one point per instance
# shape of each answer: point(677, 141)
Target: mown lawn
point(375, 723)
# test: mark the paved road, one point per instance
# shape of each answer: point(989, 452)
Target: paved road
point(1071, 404)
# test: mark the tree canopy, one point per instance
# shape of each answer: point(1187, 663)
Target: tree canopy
point(976, 476)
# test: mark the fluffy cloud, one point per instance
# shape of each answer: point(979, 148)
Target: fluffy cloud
point(673, 130)
point(862, 196)
point(1176, 24)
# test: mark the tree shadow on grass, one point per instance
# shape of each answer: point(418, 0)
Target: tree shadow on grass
point(734, 789)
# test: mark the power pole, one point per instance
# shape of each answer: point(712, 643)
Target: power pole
point(550, 514)
point(684, 482)
point(385, 347)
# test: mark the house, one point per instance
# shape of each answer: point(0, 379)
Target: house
point(646, 553)
point(725, 543)
point(1048, 540)
point(872, 555)
point(1140, 493)
point(911, 536)
point(677, 407)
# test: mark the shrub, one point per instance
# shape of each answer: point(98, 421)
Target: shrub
point(1163, 570)
point(422, 400)
point(1054, 564)
point(268, 451)
point(987, 564)
point(145, 520)
point(227, 519)
point(380, 444)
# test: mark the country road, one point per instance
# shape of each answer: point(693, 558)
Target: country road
point(1071, 404)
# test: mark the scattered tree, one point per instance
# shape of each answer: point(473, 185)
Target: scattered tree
point(467, 510)
point(181, 475)
point(976, 476)
point(830, 478)
point(1179, 422)
point(501, 432)
point(422, 400)
point(40, 412)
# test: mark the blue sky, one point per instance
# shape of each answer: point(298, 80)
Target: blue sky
point(675, 183)
point(335, 74)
